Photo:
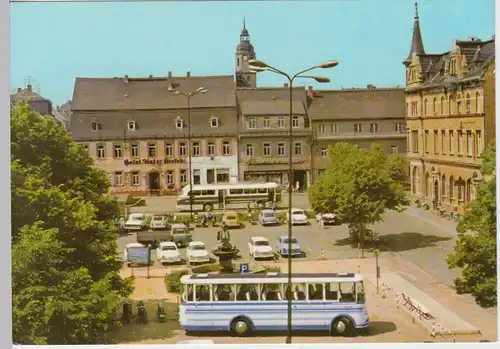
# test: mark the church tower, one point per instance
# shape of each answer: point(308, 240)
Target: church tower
point(244, 53)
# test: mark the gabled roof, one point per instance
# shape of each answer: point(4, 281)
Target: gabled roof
point(271, 101)
point(26, 94)
point(370, 103)
point(100, 94)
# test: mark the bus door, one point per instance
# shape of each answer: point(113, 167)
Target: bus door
point(221, 195)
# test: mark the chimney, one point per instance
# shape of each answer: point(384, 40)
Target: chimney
point(188, 74)
point(170, 75)
point(310, 92)
point(19, 89)
point(286, 85)
point(29, 87)
point(126, 78)
point(169, 80)
point(150, 76)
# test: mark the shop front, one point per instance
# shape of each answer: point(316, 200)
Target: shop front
point(277, 170)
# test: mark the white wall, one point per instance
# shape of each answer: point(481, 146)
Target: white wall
point(203, 163)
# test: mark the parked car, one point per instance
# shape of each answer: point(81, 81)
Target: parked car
point(125, 252)
point(230, 219)
point(259, 247)
point(267, 217)
point(197, 253)
point(153, 238)
point(158, 222)
point(282, 246)
point(298, 216)
point(326, 218)
point(181, 235)
point(167, 252)
point(136, 221)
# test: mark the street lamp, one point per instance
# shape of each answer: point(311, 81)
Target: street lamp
point(257, 66)
point(188, 97)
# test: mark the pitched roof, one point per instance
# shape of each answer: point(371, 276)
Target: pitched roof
point(417, 44)
point(26, 94)
point(370, 103)
point(151, 93)
point(271, 100)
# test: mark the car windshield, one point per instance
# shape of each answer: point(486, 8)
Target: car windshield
point(231, 217)
point(261, 243)
point(285, 241)
point(168, 248)
point(197, 247)
point(157, 218)
point(268, 214)
point(178, 231)
point(298, 212)
point(136, 218)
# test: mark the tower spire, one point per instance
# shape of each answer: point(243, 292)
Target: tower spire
point(417, 44)
point(244, 23)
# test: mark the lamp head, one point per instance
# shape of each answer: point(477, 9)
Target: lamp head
point(257, 63)
point(255, 69)
point(321, 79)
point(328, 64)
point(200, 89)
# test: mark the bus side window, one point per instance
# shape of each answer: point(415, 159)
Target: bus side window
point(332, 291)
point(262, 190)
point(347, 292)
point(272, 292)
point(299, 292)
point(202, 293)
point(224, 293)
point(187, 294)
point(360, 292)
point(315, 292)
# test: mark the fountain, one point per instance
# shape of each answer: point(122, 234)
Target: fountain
point(225, 251)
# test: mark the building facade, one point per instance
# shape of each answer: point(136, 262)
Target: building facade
point(264, 135)
point(450, 118)
point(38, 103)
point(139, 132)
point(356, 116)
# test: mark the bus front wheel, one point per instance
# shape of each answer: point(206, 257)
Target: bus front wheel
point(241, 326)
point(341, 326)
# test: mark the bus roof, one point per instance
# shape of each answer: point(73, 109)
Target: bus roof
point(269, 277)
point(232, 186)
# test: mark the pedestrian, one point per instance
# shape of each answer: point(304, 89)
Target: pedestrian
point(297, 186)
point(121, 223)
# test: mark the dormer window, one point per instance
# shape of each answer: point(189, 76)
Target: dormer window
point(96, 126)
point(214, 121)
point(179, 123)
point(131, 125)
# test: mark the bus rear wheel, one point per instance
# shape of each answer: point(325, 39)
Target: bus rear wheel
point(207, 207)
point(341, 326)
point(241, 326)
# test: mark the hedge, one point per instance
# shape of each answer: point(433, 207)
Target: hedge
point(173, 280)
point(206, 268)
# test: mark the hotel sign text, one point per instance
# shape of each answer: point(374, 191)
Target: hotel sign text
point(153, 161)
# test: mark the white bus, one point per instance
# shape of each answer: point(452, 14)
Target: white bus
point(245, 303)
point(229, 196)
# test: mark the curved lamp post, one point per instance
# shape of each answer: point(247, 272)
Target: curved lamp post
point(258, 66)
point(188, 97)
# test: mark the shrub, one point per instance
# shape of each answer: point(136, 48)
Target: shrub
point(272, 268)
point(206, 268)
point(173, 280)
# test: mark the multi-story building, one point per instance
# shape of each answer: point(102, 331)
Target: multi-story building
point(264, 135)
point(357, 116)
point(137, 131)
point(450, 118)
point(38, 103)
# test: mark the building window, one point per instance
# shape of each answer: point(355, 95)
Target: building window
point(467, 104)
point(426, 141)
point(460, 145)
point(86, 148)
point(117, 151)
point(267, 149)
point(321, 129)
point(442, 105)
point(196, 148)
point(267, 122)
point(183, 177)
point(451, 190)
point(324, 152)
point(334, 128)
point(425, 107)
point(479, 144)
point(131, 125)
point(101, 151)
point(414, 138)
point(281, 149)
point(169, 149)
point(451, 143)
point(226, 148)
point(469, 143)
point(182, 149)
point(170, 178)
point(118, 179)
point(398, 127)
point(394, 149)
point(459, 104)
point(196, 176)
point(96, 126)
point(134, 150)
point(214, 122)
point(477, 103)
point(435, 141)
point(434, 106)
point(297, 148)
point(252, 123)
point(211, 149)
point(460, 189)
point(295, 122)
point(358, 128)
point(249, 149)
point(443, 142)
point(373, 128)
point(179, 123)
point(136, 180)
point(222, 175)
point(281, 121)
point(450, 102)
point(151, 150)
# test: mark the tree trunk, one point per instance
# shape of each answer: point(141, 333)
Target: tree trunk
point(362, 239)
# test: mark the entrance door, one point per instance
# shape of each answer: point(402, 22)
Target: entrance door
point(299, 176)
point(154, 181)
point(435, 199)
point(221, 198)
point(210, 176)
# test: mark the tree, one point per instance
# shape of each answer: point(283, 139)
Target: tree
point(65, 281)
point(476, 248)
point(360, 185)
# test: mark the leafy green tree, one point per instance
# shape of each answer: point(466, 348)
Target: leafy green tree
point(360, 186)
point(65, 281)
point(476, 248)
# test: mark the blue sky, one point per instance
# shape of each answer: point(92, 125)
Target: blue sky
point(56, 42)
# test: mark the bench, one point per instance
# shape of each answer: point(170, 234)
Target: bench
point(413, 305)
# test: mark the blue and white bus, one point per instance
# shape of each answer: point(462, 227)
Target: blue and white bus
point(245, 303)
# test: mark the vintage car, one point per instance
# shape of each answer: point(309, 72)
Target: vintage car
point(167, 252)
point(282, 246)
